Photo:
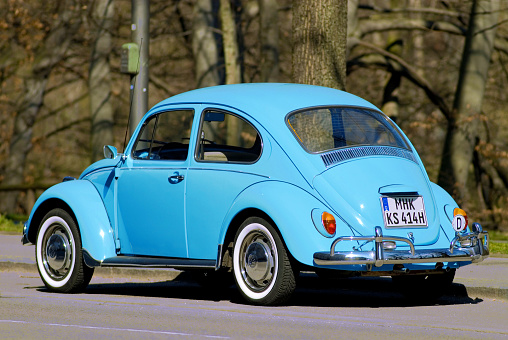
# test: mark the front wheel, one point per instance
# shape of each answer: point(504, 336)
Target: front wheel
point(58, 254)
point(261, 266)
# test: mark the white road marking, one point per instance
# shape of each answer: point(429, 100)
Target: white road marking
point(114, 329)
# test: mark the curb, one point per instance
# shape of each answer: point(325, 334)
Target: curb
point(7, 266)
point(489, 292)
point(460, 287)
point(167, 274)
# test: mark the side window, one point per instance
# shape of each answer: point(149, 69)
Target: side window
point(224, 137)
point(165, 136)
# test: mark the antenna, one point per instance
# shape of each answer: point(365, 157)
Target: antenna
point(128, 47)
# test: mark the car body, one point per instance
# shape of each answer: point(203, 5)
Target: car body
point(262, 180)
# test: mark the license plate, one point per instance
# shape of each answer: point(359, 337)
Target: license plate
point(404, 211)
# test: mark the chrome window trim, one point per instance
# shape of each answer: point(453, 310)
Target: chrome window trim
point(388, 120)
point(145, 122)
point(200, 127)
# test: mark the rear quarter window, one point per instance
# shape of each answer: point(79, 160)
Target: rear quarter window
point(225, 137)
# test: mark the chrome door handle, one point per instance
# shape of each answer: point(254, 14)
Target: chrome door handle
point(176, 177)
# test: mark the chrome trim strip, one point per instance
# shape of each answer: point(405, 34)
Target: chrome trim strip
point(476, 251)
point(156, 262)
point(341, 155)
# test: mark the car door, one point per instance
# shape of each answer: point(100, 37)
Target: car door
point(225, 162)
point(151, 188)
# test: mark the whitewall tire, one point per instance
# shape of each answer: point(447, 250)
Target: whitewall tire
point(58, 254)
point(262, 269)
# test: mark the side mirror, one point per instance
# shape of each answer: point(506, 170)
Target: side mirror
point(110, 152)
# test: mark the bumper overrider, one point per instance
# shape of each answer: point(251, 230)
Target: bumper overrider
point(465, 247)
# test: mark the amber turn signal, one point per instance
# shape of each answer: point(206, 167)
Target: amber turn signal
point(329, 223)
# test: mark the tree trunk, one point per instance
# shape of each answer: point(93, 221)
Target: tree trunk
point(206, 44)
point(462, 130)
point(319, 42)
point(233, 70)
point(230, 41)
point(417, 41)
point(390, 104)
point(353, 30)
point(51, 51)
point(269, 37)
point(99, 80)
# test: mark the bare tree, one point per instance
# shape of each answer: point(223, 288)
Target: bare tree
point(206, 44)
point(393, 45)
point(99, 79)
point(269, 38)
point(464, 123)
point(48, 52)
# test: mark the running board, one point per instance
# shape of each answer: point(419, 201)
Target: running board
point(148, 262)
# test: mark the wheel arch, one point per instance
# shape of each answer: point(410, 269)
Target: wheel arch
point(287, 208)
point(41, 211)
point(235, 225)
point(82, 201)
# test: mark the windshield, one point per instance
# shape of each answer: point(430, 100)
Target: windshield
point(323, 129)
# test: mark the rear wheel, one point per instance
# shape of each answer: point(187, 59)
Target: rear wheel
point(261, 266)
point(58, 254)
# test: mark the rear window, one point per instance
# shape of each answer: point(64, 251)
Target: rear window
point(323, 129)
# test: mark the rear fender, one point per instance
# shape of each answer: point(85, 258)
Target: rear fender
point(290, 208)
point(445, 205)
point(81, 199)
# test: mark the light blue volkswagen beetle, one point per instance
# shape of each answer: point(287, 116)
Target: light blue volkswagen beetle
point(264, 181)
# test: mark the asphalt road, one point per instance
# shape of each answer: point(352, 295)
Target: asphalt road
point(133, 308)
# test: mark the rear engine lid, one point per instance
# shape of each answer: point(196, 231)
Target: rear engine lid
point(390, 192)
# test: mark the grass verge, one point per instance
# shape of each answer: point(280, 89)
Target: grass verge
point(499, 249)
point(9, 225)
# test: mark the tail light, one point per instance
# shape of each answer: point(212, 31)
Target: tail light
point(329, 223)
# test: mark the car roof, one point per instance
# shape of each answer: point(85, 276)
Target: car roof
point(268, 104)
point(266, 101)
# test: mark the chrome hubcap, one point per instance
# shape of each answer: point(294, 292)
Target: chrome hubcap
point(57, 253)
point(257, 262)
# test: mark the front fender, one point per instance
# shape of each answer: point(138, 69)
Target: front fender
point(290, 207)
point(85, 203)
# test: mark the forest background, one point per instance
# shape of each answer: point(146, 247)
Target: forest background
point(438, 68)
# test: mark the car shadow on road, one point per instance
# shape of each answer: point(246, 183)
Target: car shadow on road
point(311, 291)
point(372, 292)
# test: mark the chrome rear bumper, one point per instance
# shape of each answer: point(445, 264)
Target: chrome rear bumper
point(470, 247)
